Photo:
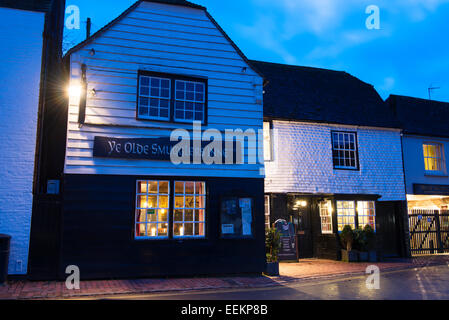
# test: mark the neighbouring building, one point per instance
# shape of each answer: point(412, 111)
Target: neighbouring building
point(425, 125)
point(333, 158)
point(127, 210)
point(30, 35)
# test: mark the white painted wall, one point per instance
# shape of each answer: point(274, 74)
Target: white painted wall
point(167, 39)
point(414, 161)
point(20, 71)
point(303, 162)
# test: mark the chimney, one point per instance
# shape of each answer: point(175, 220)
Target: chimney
point(88, 27)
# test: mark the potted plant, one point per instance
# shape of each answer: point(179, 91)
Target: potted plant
point(347, 239)
point(360, 244)
point(370, 236)
point(272, 245)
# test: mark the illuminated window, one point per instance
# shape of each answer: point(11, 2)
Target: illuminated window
point(189, 209)
point(345, 214)
point(366, 213)
point(267, 142)
point(344, 150)
point(432, 157)
point(326, 217)
point(267, 213)
point(190, 101)
point(154, 98)
point(152, 209)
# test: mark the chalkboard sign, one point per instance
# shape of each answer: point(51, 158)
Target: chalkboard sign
point(288, 240)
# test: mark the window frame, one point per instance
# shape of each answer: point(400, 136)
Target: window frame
point(204, 208)
point(356, 151)
point(146, 237)
point(267, 211)
point(170, 219)
point(172, 77)
point(270, 157)
point(355, 215)
point(361, 214)
point(442, 163)
point(330, 215)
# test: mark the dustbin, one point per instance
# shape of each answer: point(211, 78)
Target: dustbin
point(5, 241)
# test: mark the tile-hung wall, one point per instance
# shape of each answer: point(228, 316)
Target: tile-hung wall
point(302, 161)
point(20, 72)
point(436, 154)
point(165, 39)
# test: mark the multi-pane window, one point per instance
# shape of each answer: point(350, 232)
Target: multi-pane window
point(152, 209)
point(189, 209)
point(326, 217)
point(154, 98)
point(267, 213)
point(345, 214)
point(366, 213)
point(433, 157)
point(189, 101)
point(344, 150)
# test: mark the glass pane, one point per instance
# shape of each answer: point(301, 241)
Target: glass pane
point(151, 215)
point(189, 202)
point(179, 202)
point(163, 201)
point(178, 229)
point(200, 202)
point(188, 229)
point(163, 229)
point(142, 202)
point(179, 187)
point(163, 187)
point(140, 230)
point(178, 215)
point(152, 187)
point(143, 187)
point(152, 201)
point(200, 188)
point(189, 187)
point(152, 230)
point(140, 216)
point(188, 215)
point(163, 215)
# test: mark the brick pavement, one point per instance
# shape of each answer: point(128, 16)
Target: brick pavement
point(290, 272)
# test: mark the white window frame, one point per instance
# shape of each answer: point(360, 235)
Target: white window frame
point(342, 212)
point(194, 209)
point(267, 212)
point(362, 212)
point(185, 100)
point(157, 222)
point(326, 207)
point(150, 96)
point(338, 149)
point(439, 158)
point(267, 142)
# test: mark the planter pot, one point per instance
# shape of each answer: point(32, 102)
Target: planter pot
point(349, 256)
point(372, 256)
point(272, 268)
point(363, 256)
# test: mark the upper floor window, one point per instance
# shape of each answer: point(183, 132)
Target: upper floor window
point(344, 150)
point(172, 98)
point(433, 160)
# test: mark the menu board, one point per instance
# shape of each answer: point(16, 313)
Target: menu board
point(236, 217)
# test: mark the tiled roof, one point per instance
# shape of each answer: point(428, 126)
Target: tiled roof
point(421, 116)
point(321, 95)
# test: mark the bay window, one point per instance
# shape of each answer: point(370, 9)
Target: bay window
point(366, 214)
point(345, 214)
point(356, 214)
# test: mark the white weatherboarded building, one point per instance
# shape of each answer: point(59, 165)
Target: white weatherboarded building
point(158, 67)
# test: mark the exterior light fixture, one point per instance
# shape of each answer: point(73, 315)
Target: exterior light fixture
point(92, 52)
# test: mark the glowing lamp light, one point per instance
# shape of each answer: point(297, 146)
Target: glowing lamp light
point(181, 231)
point(74, 91)
point(153, 232)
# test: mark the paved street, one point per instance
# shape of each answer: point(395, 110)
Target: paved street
point(428, 283)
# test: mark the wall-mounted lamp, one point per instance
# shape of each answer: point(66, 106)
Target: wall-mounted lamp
point(244, 70)
point(92, 52)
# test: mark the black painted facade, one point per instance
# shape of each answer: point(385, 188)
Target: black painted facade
point(391, 228)
point(98, 232)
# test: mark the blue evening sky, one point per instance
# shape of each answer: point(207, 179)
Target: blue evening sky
point(406, 56)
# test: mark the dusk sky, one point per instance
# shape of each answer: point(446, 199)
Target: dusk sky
point(406, 56)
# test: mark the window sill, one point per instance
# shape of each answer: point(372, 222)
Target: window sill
point(436, 174)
